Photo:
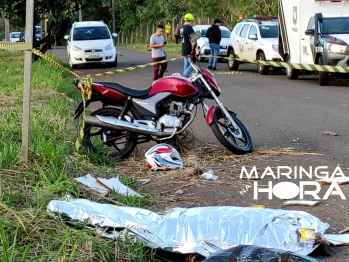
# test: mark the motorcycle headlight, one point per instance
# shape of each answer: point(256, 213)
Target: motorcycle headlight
point(334, 48)
point(109, 47)
point(77, 48)
point(275, 48)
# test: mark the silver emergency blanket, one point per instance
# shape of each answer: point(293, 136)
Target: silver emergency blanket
point(202, 230)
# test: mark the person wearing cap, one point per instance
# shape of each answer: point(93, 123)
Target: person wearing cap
point(187, 45)
point(214, 38)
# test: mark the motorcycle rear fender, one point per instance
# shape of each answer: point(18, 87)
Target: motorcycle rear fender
point(211, 111)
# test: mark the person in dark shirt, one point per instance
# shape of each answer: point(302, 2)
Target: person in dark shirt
point(214, 38)
point(187, 45)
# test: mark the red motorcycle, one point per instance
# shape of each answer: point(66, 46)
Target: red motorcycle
point(159, 112)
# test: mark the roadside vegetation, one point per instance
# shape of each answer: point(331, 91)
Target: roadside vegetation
point(27, 233)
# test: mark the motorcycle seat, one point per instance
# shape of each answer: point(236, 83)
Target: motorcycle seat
point(131, 91)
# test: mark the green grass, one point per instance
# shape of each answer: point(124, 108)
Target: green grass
point(170, 48)
point(27, 233)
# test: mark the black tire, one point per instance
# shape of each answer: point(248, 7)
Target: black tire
point(291, 73)
point(115, 63)
point(227, 139)
point(262, 69)
point(130, 143)
point(324, 78)
point(233, 64)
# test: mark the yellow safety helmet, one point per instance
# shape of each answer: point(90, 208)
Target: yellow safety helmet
point(188, 17)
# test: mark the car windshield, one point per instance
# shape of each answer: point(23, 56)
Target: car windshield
point(269, 31)
point(15, 35)
point(91, 33)
point(338, 25)
point(224, 33)
point(38, 30)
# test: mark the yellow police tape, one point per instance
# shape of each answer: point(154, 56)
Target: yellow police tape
point(308, 67)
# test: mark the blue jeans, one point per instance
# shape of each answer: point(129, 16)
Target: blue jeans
point(212, 61)
point(187, 67)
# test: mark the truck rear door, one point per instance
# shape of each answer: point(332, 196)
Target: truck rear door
point(307, 44)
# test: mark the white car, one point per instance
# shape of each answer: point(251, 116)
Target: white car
point(91, 42)
point(254, 39)
point(14, 36)
point(204, 46)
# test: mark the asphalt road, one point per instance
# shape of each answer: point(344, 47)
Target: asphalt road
point(278, 112)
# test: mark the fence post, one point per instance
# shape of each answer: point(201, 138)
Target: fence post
point(28, 56)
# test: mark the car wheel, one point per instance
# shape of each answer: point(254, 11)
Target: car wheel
point(262, 69)
point(72, 66)
point(233, 64)
point(324, 79)
point(115, 63)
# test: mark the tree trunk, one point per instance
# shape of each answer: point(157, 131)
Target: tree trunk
point(54, 33)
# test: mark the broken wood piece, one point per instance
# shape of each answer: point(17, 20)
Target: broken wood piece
point(301, 203)
point(345, 230)
point(328, 181)
point(114, 184)
point(144, 181)
point(329, 133)
point(90, 182)
point(337, 240)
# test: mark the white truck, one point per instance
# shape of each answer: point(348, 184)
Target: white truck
point(314, 32)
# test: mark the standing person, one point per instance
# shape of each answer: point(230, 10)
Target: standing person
point(168, 32)
point(214, 38)
point(157, 46)
point(187, 45)
point(177, 33)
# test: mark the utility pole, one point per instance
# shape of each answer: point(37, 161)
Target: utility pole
point(7, 30)
point(113, 14)
point(80, 14)
point(28, 57)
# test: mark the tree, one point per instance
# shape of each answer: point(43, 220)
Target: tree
point(60, 14)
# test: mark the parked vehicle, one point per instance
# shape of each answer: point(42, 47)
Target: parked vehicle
point(37, 34)
point(254, 39)
point(204, 45)
point(159, 112)
point(91, 42)
point(14, 36)
point(316, 33)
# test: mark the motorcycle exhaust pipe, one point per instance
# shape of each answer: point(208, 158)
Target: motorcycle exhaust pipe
point(119, 125)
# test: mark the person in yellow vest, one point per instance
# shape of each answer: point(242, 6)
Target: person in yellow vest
point(168, 31)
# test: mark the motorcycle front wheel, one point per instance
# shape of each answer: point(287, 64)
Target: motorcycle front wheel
point(106, 142)
point(238, 140)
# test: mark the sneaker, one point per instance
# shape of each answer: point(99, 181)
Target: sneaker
point(213, 68)
point(209, 67)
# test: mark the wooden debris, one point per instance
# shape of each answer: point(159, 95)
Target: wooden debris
point(328, 181)
point(300, 203)
point(329, 133)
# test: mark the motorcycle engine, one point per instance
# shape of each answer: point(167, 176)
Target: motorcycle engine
point(169, 121)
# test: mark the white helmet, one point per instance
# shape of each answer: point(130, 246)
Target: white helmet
point(163, 157)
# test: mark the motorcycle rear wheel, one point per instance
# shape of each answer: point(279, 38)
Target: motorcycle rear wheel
point(228, 137)
point(107, 142)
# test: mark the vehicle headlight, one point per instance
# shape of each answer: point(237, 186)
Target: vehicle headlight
point(275, 48)
point(224, 47)
point(334, 48)
point(77, 48)
point(108, 47)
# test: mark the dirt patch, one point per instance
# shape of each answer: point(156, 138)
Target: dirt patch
point(186, 187)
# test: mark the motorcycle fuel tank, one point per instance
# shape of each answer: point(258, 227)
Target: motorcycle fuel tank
point(177, 85)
